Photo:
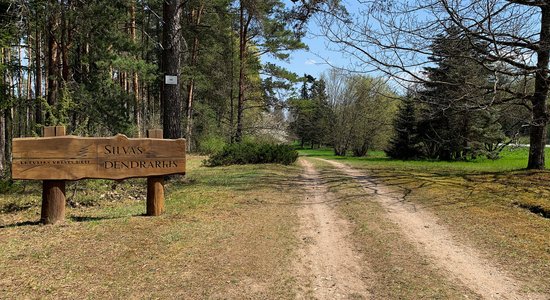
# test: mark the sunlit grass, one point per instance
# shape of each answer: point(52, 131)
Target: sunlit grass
point(225, 229)
point(511, 159)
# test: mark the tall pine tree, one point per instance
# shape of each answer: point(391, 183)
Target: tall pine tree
point(404, 145)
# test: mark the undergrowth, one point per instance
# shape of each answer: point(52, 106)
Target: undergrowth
point(253, 153)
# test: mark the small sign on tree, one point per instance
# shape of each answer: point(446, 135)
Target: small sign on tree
point(170, 79)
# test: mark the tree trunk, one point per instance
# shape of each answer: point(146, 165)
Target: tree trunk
point(194, 20)
point(2, 144)
point(339, 151)
point(21, 103)
point(171, 99)
point(135, 77)
point(28, 103)
point(189, 113)
point(53, 60)
point(38, 79)
point(8, 136)
point(232, 94)
point(537, 131)
point(65, 43)
point(3, 95)
point(243, 33)
point(9, 94)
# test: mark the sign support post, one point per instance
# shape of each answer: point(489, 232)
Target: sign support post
point(58, 157)
point(155, 184)
point(53, 191)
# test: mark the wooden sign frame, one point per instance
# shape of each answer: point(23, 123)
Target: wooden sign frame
point(57, 157)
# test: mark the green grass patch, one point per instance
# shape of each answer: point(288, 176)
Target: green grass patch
point(511, 159)
point(508, 171)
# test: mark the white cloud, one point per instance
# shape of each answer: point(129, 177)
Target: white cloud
point(311, 62)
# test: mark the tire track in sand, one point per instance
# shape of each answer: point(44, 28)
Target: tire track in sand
point(328, 267)
point(461, 262)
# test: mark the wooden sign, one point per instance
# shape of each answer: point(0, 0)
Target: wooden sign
point(73, 157)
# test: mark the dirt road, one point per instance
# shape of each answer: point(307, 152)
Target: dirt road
point(328, 266)
point(329, 261)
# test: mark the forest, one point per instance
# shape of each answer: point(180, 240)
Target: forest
point(334, 149)
point(437, 80)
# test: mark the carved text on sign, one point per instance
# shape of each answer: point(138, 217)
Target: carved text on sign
point(72, 157)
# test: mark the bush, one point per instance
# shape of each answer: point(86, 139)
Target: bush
point(250, 153)
point(211, 144)
point(10, 186)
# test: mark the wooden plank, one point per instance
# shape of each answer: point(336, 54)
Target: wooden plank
point(73, 158)
point(48, 131)
point(154, 133)
point(60, 130)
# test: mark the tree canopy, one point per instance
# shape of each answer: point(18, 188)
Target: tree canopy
point(470, 75)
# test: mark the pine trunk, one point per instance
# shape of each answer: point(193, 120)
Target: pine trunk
point(194, 20)
point(243, 32)
point(135, 77)
point(8, 112)
point(3, 137)
point(65, 40)
point(171, 99)
point(8, 136)
point(20, 113)
point(2, 144)
point(38, 79)
point(53, 60)
point(232, 95)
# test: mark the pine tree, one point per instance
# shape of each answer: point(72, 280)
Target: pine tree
point(311, 113)
point(404, 144)
point(452, 102)
point(321, 115)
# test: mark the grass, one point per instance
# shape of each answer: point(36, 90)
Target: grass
point(511, 159)
point(230, 232)
point(509, 169)
point(222, 237)
point(496, 206)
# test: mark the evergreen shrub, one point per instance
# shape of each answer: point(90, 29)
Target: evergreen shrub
point(7, 185)
point(252, 153)
point(211, 144)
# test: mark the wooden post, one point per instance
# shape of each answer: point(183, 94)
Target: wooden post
point(53, 191)
point(155, 185)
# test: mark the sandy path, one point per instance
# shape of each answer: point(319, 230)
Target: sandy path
point(328, 267)
point(434, 240)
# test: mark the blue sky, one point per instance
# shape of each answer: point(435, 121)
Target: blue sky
point(312, 61)
point(319, 57)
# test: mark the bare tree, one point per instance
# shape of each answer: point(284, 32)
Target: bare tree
point(362, 112)
point(518, 34)
point(394, 37)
